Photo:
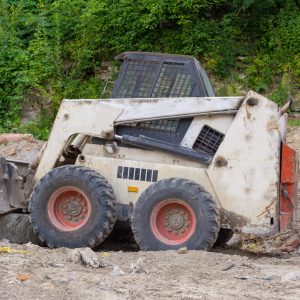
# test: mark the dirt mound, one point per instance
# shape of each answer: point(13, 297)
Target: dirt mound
point(274, 245)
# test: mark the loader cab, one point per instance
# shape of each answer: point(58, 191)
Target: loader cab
point(157, 75)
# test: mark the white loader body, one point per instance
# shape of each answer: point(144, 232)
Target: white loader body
point(243, 175)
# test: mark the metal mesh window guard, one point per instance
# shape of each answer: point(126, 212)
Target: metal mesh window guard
point(153, 75)
point(174, 81)
point(138, 79)
point(154, 79)
point(161, 125)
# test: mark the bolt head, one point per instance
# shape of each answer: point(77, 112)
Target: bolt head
point(69, 217)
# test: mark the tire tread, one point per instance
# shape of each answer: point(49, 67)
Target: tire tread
point(97, 184)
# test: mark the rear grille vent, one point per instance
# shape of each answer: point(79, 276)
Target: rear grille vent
point(208, 140)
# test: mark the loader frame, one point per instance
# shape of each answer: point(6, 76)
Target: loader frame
point(250, 152)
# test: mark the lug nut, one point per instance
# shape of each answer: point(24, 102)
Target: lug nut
point(84, 210)
point(65, 212)
point(81, 217)
point(69, 217)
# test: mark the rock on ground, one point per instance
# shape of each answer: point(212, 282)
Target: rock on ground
point(89, 258)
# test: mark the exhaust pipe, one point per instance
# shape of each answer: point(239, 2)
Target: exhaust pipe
point(285, 107)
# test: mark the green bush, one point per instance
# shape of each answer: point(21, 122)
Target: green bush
point(54, 49)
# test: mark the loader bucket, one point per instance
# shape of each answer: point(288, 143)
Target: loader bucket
point(18, 154)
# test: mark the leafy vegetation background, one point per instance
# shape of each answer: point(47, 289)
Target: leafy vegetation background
point(50, 50)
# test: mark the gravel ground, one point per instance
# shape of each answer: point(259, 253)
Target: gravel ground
point(223, 274)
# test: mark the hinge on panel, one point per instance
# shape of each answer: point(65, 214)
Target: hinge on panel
point(286, 194)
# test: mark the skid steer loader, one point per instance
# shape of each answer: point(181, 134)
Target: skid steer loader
point(163, 154)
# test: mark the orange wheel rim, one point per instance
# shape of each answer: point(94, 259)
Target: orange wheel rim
point(69, 208)
point(173, 221)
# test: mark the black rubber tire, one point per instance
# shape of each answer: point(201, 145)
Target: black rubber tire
point(17, 229)
point(205, 210)
point(103, 207)
point(224, 236)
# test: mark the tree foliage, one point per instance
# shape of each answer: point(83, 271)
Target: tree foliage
point(53, 49)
